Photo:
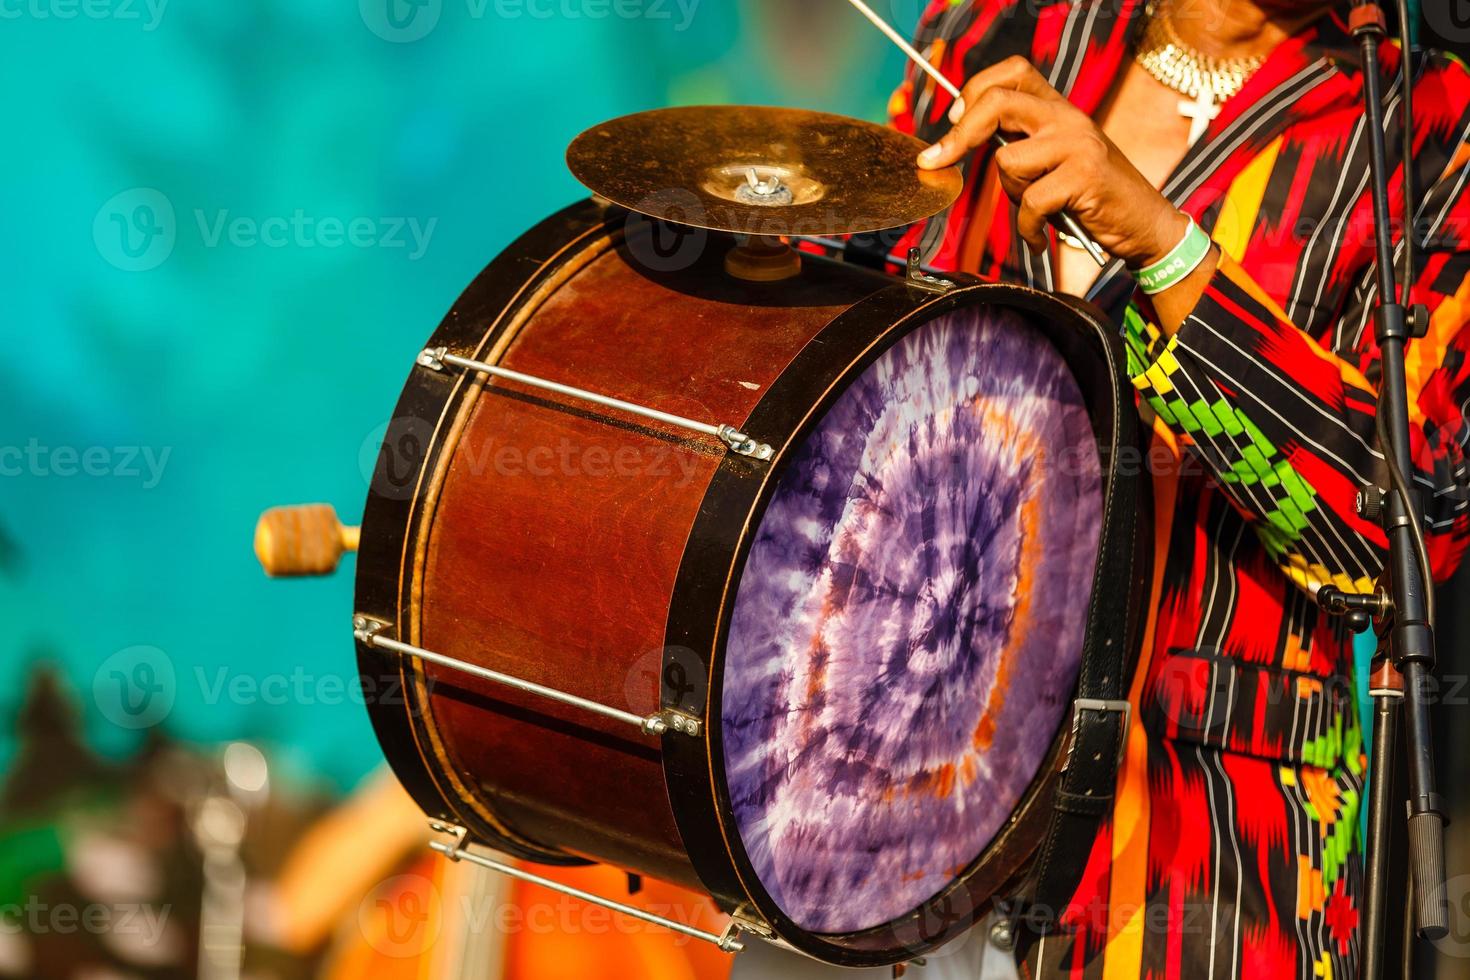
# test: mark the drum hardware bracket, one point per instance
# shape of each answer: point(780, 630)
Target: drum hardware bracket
point(747, 920)
point(920, 279)
point(438, 358)
point(460, 835)
point(459, 850)
point(1080, 705)
point(370, 632)
point(680, 721)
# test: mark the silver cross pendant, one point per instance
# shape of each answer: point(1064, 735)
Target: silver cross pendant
point(1200, 112)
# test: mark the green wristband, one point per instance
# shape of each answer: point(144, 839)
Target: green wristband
point(1175, 267)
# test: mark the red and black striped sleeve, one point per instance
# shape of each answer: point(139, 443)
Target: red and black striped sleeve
point(1287, 426)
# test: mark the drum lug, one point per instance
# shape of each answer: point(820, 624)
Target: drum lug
point(459, 850)
point(746, 919)
point(729, 940)
point(460, 835)
point(432, 358)
point(365, 628)
point(920, 279)
point(743, 444)
point(679, 721)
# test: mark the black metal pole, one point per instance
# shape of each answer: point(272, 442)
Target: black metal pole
point(1387, 697)
point(1411, 639)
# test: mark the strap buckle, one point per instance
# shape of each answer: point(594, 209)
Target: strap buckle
point(1121, 707)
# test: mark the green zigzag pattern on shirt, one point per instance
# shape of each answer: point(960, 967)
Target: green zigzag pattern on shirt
point(1323, 751)
point(1258, 462)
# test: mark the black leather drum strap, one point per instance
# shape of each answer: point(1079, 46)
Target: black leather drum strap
point(1100, 713)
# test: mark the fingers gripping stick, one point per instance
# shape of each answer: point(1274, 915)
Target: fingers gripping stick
point(1065, 221)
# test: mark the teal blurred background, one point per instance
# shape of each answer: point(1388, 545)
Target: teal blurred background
point(230, 226)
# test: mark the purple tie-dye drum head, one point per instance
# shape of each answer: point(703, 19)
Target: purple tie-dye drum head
point(909, 623)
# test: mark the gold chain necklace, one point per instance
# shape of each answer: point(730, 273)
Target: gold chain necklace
point(1207, 81)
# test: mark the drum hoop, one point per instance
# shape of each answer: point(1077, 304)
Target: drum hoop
point(721, 539)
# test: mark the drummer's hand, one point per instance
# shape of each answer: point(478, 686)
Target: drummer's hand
point(1059, 160)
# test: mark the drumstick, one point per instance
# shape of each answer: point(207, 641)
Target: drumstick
point(1068, 223)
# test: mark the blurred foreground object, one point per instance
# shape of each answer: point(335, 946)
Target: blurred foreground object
point(360, 882)
point(141, 866)
point(307, 539)
point(341, 858)
point(438, 918)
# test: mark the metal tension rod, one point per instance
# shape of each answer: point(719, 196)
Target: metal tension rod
point(369, 631)
point(435, 358)
point(459, 851)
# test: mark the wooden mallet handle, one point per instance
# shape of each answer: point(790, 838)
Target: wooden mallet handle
point(303, 540)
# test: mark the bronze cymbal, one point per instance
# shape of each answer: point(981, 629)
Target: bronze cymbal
point(760, 170)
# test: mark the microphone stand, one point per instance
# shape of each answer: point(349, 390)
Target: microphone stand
point(1403, 603)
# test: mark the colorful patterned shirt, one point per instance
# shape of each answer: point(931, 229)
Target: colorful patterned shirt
point(1232, 850)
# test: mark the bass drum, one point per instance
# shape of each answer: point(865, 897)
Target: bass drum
point(856, 653)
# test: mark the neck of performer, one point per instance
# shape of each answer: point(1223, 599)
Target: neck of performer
point(1240, 28)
